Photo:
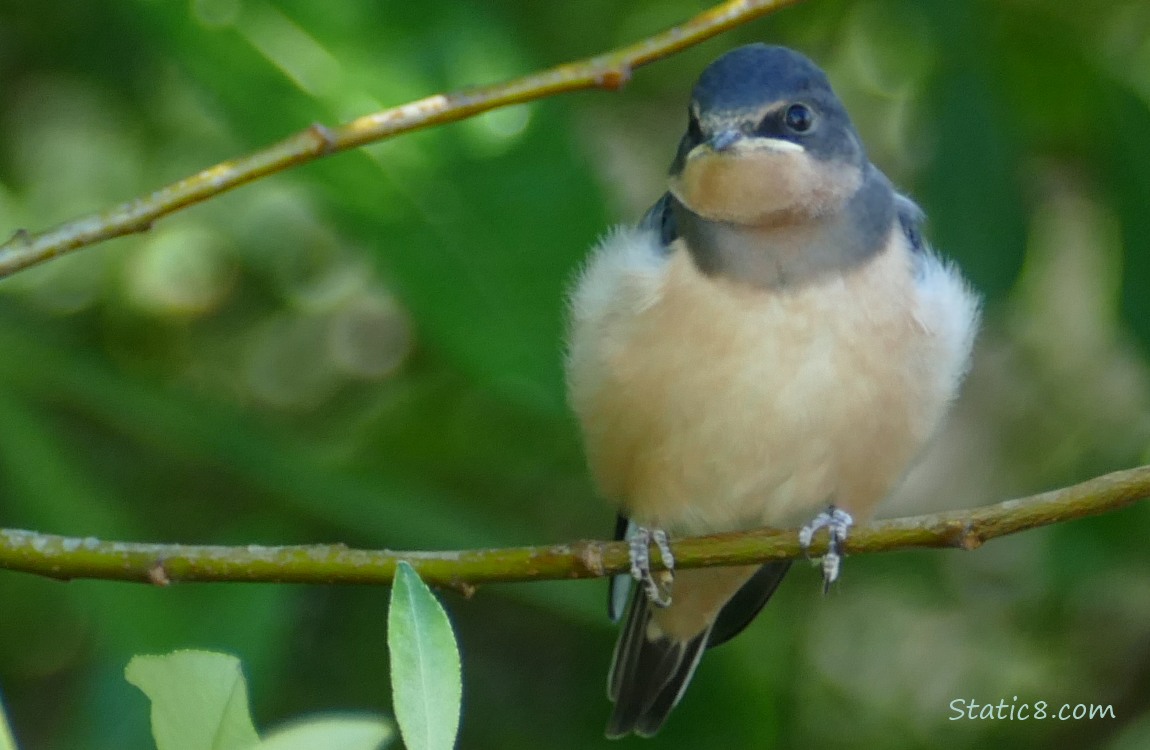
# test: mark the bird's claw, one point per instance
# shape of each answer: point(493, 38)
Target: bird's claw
point(657, 585)
point(837, 522)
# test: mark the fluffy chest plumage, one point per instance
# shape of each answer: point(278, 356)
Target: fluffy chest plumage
point(708, 405)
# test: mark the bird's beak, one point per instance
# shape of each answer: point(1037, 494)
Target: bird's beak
point(725, 139)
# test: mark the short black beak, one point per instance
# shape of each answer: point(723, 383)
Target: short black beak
point(724, 139)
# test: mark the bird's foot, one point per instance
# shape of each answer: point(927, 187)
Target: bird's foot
point(658, 584)
point(837, 522)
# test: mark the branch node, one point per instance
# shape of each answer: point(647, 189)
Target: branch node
point(22, 236)
point(158, 575)
point(325, 137)
point(591, 558)
point(969, 539)
point(463, 588)
point(614, 78)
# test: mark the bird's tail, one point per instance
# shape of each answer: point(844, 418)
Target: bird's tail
point(651, 669)
point(648, 675)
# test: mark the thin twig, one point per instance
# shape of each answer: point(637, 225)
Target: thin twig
point(162, 564)
point(608, 71)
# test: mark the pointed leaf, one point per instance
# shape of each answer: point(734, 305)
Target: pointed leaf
point(199, 700)
point(426, 684)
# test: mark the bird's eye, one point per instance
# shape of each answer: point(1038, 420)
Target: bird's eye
point(799, 118)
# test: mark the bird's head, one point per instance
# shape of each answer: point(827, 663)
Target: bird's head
point(767, 141)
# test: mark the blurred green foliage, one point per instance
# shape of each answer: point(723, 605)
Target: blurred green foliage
point(369, 349)
point(199, 701)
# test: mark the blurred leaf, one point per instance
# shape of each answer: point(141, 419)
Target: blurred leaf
point(489, 290)
point(426, 682)
point(1127, 155)
point(485, 287)
point(1070, 101)
point(47, 489)
point(6, 740)
point(1134, 736)
point(972, 190)
point(199, 700)
point(341, 732)
point(378, 504)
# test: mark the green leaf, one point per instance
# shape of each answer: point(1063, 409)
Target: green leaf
point(426, 683)
point(199, 700)
point(343, 732)
point(6, 740)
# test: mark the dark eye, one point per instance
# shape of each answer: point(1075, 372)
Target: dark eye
point(799, 118)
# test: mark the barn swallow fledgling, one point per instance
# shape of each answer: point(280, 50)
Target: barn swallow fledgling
point(773, 343)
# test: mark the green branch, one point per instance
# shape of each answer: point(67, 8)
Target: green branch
point(162, 564)
point(609, 71)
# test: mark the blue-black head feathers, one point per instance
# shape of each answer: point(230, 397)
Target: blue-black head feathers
point(769, 92)
point(748, 77)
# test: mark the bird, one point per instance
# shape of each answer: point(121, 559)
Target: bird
point(773, 344)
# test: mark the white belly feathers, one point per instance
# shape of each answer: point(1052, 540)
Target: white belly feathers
point(709, 405)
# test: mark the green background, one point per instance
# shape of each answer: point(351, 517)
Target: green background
point(368, 350)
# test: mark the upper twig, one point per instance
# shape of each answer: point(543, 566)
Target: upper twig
point(610, 71)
